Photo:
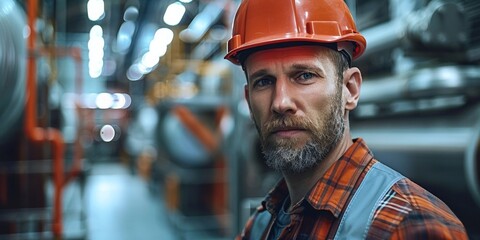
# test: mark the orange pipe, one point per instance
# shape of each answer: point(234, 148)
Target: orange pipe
point(207, 138)
point(76, 54)
point(38, 134)
point(201, 132)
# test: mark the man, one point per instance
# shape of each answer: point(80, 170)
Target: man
point(300, 89)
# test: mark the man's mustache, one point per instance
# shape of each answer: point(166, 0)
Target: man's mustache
point(286, 123)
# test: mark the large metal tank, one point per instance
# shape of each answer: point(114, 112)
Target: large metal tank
point(12, 67)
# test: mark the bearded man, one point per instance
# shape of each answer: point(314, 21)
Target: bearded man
point(300, 89)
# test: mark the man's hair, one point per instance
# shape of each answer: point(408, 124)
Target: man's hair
point(339, 59)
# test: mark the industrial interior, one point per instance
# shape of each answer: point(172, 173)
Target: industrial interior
point(120, 119)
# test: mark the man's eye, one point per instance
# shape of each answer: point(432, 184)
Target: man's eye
point(262, 82)
point(306, 76)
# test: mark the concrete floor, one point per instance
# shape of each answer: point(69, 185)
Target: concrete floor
point(116, 205)
point(111, 202)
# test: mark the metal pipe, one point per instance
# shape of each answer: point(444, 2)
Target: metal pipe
point(440, 25)
point(427, 82)
point(38, 134)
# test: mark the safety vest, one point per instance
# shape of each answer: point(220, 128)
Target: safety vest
point(359, 213)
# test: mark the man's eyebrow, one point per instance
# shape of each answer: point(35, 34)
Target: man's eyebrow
point(259, 73)
point(309, 67)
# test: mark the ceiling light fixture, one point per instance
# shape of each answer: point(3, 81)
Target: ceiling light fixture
point(174, 14)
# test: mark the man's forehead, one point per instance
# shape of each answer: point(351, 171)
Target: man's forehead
point(291, 57)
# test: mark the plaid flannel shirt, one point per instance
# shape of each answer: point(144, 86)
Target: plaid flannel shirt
point(407, 211)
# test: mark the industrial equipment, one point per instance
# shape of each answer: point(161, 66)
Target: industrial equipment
point(194, 164)
point(32, 148)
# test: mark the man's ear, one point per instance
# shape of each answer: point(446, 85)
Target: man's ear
point(352, 82)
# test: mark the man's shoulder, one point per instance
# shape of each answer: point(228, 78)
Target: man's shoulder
point(409, 210)
point(421, 200)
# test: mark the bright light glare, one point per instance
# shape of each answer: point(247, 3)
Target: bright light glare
point(95, 68)
point(107, 133)
point(133, 73)
point(124, 36)
point(163, 36)
point(96, 31)
point(157, 49)
point(185, 1)
point(89, 100)
point(96, 43)
point(104, 100)
point(121, 101)
point(149, 60)
point(174, 14)
point(95, 54)
point(95, 10)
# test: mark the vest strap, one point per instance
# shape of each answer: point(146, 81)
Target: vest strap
point(260, 224)
point(358, 216)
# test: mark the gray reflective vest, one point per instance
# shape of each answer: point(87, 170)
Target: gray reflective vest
point(360, 211)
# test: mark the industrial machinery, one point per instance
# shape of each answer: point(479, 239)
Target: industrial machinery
point(32, 148)
point(194, 165)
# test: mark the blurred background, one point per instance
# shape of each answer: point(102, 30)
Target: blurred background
point(120, 119)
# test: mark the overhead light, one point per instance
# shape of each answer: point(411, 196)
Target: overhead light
point(134, 73)
point(96, 44)
point(107, 133)
point(203, 22)
point(164, 36)
point(96, 31)
point(149, 60)
point(121, 101)
point(104, 101)
point(174, 13)
point(124, 36)
point(130, 14)
point(95, 10)
point(159, 50)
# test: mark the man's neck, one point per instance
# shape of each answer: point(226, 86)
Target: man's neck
point(299, 184)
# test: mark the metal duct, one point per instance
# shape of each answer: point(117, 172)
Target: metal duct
point(440, 151)
point(440, 25)
point(12, 67)
point(429, 88)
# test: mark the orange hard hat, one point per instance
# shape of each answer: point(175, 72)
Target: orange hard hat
point(260, 23)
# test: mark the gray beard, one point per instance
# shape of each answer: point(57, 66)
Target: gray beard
point(285, 157)
point(294, 160)
point(298, 160)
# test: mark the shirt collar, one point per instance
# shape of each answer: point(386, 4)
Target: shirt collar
point(333, 189)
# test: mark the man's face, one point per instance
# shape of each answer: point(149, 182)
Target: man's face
point(295, 100)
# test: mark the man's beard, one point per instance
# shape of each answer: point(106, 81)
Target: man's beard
point(284, 154)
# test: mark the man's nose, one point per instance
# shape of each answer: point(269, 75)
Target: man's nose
point(283, 101)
